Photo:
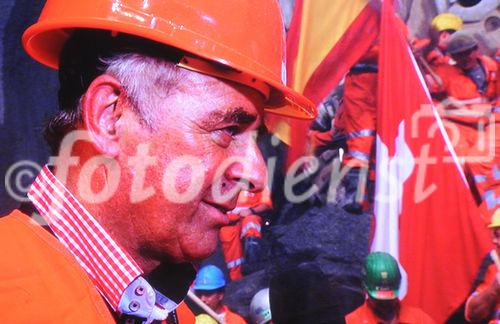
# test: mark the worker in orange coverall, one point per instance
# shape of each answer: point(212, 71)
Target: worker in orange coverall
point(246, 227)
point(359, 123)
point(356, 118)
point(381, 281)
point(469, 101)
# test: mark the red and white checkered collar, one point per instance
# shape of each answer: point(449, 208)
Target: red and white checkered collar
point(113, 272)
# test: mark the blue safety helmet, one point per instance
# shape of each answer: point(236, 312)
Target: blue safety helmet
point(209, 278)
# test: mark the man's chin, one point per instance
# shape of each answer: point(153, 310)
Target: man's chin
point(200, 252)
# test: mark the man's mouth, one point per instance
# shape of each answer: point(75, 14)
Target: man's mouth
point(224, 206)
point(223, 220)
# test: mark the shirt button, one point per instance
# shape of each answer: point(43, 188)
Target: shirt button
point(139, 291)
point(134, 306)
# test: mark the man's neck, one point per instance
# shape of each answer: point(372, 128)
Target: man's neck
point(110, 213)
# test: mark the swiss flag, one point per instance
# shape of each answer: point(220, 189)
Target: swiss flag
point(425, 214)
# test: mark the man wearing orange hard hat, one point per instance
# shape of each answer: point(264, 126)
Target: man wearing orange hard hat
point(159, 102)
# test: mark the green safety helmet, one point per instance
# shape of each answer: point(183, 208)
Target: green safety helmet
point(381, 276)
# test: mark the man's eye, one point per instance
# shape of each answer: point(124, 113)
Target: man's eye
point(224, 136)
point(231, 130)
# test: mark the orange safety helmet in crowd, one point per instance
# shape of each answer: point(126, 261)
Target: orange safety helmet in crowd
point(245, 38)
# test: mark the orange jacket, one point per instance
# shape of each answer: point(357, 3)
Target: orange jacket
point(463, 101)
point(407, 315)
point(359, 112)
point(436, 57)
point(458, 85)
point(40, 281)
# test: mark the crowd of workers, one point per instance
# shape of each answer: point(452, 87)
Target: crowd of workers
point(174, 77)
point(464, 86)
point(381, 282)
point(209, 286)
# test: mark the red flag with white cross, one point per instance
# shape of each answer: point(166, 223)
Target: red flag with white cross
point(424, 211)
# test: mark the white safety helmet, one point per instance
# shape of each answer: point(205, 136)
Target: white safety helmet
point(260, 307)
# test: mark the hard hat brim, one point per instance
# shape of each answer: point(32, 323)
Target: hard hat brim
point(44, 41)
point(208, 287)
point(383, 294)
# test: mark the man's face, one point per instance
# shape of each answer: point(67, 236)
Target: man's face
point(384, 309)
point(495, 234)
point(443, 40)
point(212, 298)
point(468, 59)
point(199, 129)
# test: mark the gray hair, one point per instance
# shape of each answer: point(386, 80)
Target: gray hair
point(144, 79)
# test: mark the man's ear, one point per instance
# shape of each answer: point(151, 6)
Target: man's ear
point(101, 112)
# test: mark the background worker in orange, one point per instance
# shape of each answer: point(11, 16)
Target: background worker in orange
point(473, 79)
point(381, 280)
point(153, 81)
point(240, 241)
point(358, 112)
point(210, 286)
point(469, 102)
point(358, 120)
point(432, 52)
point(484, 303)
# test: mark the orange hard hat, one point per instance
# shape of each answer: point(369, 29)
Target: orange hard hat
point(246, 36)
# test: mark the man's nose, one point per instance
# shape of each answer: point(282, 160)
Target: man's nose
point(250, 169)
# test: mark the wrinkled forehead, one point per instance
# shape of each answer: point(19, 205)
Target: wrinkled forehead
point(242, 102)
